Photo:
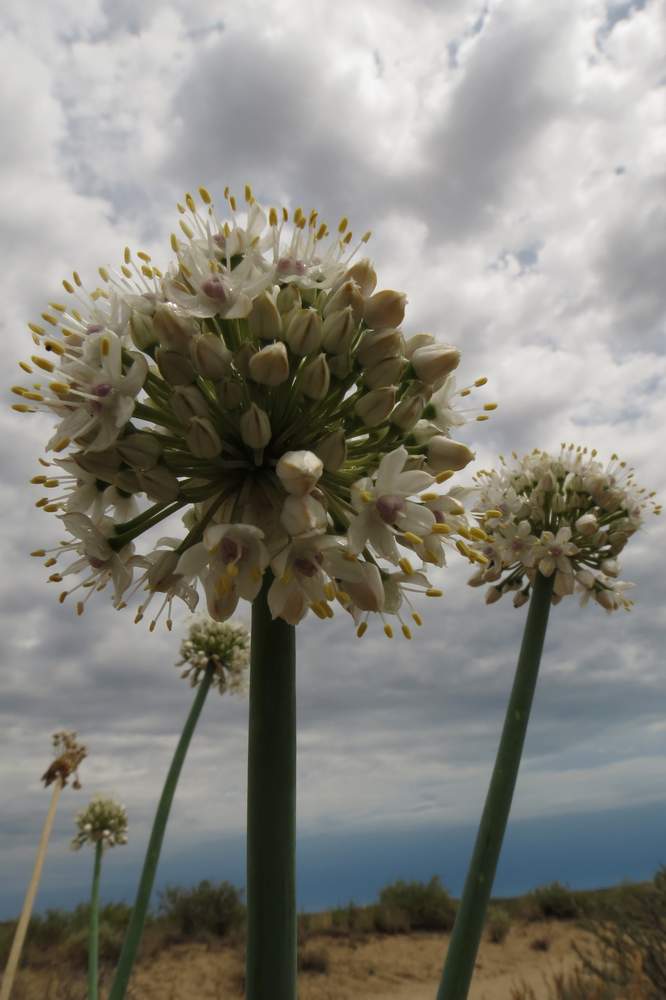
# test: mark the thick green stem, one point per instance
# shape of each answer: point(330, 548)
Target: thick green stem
point(140, 911)
point(459, 965)
point(93, 935)
point(271, 808)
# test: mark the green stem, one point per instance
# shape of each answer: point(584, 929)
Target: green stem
point(138, 918)
point(271, 808)
point(459, 965)
point(93, 936)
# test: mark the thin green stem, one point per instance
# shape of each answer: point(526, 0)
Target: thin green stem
point(271, 808)
point(93, 934)
point(459, 965)
point(139, 913)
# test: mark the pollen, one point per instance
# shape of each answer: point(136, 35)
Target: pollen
point(406, 566)
point(434, 592)
point(362, 629)
point(416, 617)
point(441, 529)
point(406, 632)
point(413, 539)
point(205, 196)
point(388, 631)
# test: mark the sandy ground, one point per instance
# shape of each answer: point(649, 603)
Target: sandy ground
point(377, 968)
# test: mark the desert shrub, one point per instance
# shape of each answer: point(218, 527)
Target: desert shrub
point(49, 930)
point(428, 906)
point(498, 924)
point(390, 919)
point(555, 901)
point(6, 937)
point(205, 909)
point(314, 960)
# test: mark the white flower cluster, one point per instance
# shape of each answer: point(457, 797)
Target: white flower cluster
point(262, 388)
point(103, 820)
point(224, 644)
point(566, 515)
point(69, 755)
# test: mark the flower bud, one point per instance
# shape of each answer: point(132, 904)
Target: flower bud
point(264, 320)
point(127, 480)
point(340, 365)
point(408, 411)
point(348, 294)
point(255, 427)
point(270, 365)
point(418, 340)
point(375, 406)
point(365, 276)
point(229, 394)
point(520, 598)
point(587, 524)
point(143, 335)
point(175, 330)
point(299, 471)
point(435, 362)
point(610, 567)
point(493, 594)
point(387, 372)
point(332, 450)
point(209, 356)
point(202, 438)
point(159, 483)
point(377, 346)
point(304, 331)
point(316, 378)
point(367, 593)
point(303, 516)
point(102, 464)
point(187, 402)
point(174, 367)
point(288, 298)
point(339, 329)
point(140, 450)
point(384, 309)
point(242, 358)
point(446, 455)
point(606, 599)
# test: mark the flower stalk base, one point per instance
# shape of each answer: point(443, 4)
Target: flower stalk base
point(93, 937)
point(459, 965)
point(271, 808)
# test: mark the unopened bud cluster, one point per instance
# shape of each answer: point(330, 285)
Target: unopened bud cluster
point(225, 646)
point(263, 389)
point(69, 755)
point(102, 821)
point(567, 516)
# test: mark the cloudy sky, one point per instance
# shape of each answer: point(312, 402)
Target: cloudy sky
point(508, 157)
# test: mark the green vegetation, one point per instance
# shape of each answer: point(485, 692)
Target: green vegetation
point(498, 924)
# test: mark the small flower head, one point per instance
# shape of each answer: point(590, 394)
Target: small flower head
point(225, 645)
point(102, 821)
point(69, 754)
point(260, 386)
point(566, 516)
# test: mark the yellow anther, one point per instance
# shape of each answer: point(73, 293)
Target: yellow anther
point(318, 611)
point(342, 224)
point(463, 531)
point(39, 553)
point(249, 197)
point(103, 273)
point(59, 387)
point(186, 229)
point(406, 632)
point(441, 529)
point(232, 570)
point(330, 613)
point(55, 578)
point(312, 221)
point(104, 346)
point(152, 626)
point(51, 508)
point(41, 502)
point(343, 597)
point(68, 286)
point(366, 236)
point(77, 279)
point(465, 392)
point(189, 201)
point(362, 629)
point(365, 496)
point(329, 591)
point(348, 238)
point(463, 549)
point(36, 396)
point(427, 497)
point(481, 381)
point(413, 539)
point(232, 202)
point(127, 255)
point(37, 481)
point(479, 534)
point(175, 246)
point(48, 318)
point(62, 597)
point(55, 346)
point(285, 214)
point(205, 196)
point(22, 408)
point(127, 271)
point(36, 328)
point(42, 363)
point(298, 215)
point(492, 513)
point(388, 631)
point(443, 476)
point(138, 617)
point(25, 366)
point(490, 406)
point(19, 390)
point(480, 558)
point(406, 566)
point(50, 562)
point(322, 232)
point(417, 618)
point(61, 445)
point(434, 592)
point(481, 417)
point(147, 271)
point(58, 306)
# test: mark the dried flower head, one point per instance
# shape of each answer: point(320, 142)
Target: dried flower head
point(566, 515)
point(102, 821)
point(69, 755)
point(263, 389)
point(225, 645)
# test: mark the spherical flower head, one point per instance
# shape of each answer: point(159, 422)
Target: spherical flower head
point(69, 755)
point(260, 386)
point(103, 821)
point(566, 516)
point(224, 645)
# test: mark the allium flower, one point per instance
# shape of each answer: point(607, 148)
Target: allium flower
point(261, 388)
point(224, 644)
point(567, 516)
point(69, 755)
point(102, 821)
